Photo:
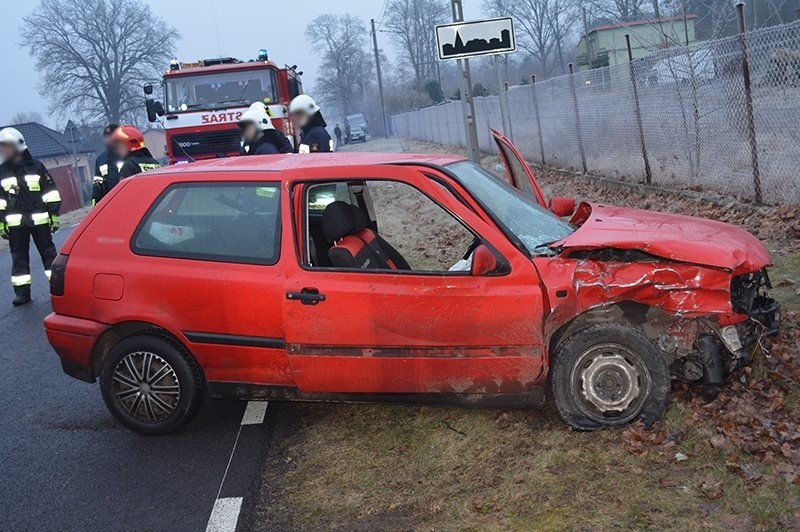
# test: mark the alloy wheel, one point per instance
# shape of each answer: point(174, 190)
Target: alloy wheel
point(146, 387)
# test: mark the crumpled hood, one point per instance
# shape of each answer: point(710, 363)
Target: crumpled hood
point(671, 236)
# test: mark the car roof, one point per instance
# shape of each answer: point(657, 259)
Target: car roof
point(280, 163)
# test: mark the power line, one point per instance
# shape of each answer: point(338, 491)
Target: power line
point(383, 12)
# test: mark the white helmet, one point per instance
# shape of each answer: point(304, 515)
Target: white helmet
point(258, 115)
point(303, 104)
point(12, 136)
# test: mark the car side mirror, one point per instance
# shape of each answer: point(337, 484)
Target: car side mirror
point(154, 109)
point(148, 89)
point(485, 262)
point(562, 206)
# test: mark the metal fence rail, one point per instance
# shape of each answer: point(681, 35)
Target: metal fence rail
point(698, 127)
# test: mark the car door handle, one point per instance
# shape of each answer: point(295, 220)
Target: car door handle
point(306, 296)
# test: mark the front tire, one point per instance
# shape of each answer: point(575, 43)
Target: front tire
point(608, 375)
point(151, 385)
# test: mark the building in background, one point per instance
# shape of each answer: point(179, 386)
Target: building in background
point(155, 139)
point(68, 157)
point(604, 45)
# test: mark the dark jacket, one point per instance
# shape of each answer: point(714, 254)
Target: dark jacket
point(137, 162)
point(106, 174)
point(28, 195)
point(272, 142)
point(314, 138)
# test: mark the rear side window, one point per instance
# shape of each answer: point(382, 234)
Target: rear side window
point(231, 222)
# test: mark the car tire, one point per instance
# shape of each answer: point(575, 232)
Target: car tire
point(608, 375)
point(151, 384)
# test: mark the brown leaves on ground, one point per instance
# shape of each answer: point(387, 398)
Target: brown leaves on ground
point(755, 420)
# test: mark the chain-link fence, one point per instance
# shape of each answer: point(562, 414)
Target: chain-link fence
point(684, 112)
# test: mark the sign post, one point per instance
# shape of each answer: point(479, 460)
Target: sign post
point(467, 102)
point(462, 40)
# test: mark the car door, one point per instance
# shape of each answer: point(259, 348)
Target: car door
point(518, 172)
point(370, 331)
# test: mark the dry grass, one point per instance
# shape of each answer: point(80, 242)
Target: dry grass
point(401, 468)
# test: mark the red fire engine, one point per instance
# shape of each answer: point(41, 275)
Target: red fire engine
point(204, 100)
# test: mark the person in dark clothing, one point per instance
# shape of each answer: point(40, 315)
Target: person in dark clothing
point(29, 207)
point(130, 149)
point(314, 138)
point(338, 132)
point(106, 167)
point(259, 136)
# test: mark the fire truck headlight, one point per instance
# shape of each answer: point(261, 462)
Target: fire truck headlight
point(184, 107)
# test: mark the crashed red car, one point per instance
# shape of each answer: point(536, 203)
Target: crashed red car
point(396, 278)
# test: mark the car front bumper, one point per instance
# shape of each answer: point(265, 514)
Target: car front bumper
point(73, 339)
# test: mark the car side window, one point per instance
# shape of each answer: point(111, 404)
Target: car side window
point(383, 225)
point(223, 222)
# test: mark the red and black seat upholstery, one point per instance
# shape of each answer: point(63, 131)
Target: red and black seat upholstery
point(354, 244)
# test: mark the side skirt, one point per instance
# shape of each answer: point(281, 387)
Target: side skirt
point(235, 390)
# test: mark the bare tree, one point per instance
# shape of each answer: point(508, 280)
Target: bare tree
point(26, 117)
point(411, 24)
point(94, 55)
point(618, 9)
point(346, 66)
point(563, 17)
point(534, 23)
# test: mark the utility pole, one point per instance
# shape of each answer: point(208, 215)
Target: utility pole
point(467, 103)
point(501, 95)
point(380, 79)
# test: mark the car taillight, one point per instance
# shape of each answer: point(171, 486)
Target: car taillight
point(58, 274)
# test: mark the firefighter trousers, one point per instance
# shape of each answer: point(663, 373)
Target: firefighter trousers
point(19, 240)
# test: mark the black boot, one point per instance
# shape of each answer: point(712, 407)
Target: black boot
point(23, 295)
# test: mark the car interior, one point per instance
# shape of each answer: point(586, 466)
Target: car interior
point(342, 229)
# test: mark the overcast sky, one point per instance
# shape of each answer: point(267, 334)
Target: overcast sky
point(243, 26)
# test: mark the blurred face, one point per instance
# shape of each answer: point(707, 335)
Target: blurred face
point(120, 149)
point(107, 139)
point(7, 152)
point(249, 131)
point(300, 118)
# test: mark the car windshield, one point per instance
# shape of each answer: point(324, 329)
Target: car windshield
point(530, 224)
point(219, 91)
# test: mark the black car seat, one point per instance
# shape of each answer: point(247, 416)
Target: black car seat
point(354, 244)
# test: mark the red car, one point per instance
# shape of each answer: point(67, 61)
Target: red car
point(396, 278)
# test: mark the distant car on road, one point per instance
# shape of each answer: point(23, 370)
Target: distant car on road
point(275, 278)
point(358, 133)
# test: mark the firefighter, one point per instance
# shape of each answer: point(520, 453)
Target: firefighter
point(130, 149)
point(259, 136)
point(307, 116)
point(106, 167)
point(29, 206)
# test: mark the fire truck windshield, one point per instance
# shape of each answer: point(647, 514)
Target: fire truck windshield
point(220, 91)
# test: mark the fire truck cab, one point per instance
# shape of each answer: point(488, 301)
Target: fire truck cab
point(203, 101)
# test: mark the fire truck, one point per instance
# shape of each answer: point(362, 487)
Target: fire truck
point(203, 102)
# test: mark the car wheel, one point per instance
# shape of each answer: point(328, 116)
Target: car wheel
point(151, 384)
point(608, 375)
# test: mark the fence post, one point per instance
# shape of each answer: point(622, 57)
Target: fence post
point(538, 118)
point(748, 102)
point(648, 175)
point(577, 118)
point(510, 122)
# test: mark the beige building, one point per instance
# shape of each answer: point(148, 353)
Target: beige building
point(604, 45)
point(156, 141)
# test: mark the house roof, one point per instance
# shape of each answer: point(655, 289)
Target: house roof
point(639, 22)
point(44, 142)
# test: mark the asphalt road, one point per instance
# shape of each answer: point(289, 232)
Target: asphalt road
point(65, 464)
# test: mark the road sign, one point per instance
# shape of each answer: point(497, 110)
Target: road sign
point(481, 37)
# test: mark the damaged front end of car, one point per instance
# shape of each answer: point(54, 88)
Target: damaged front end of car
point(696, 288)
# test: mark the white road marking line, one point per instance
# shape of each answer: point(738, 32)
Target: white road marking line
point(254, 413)
point(225, 515)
